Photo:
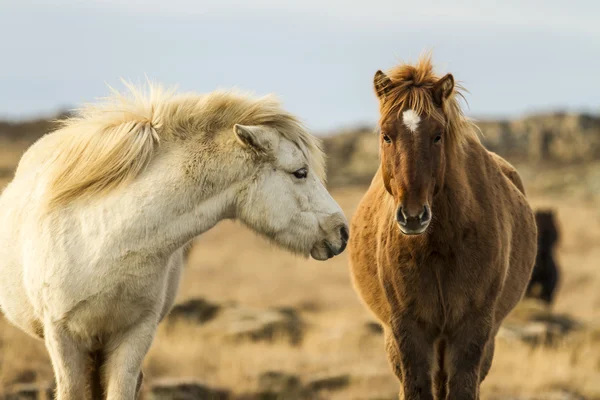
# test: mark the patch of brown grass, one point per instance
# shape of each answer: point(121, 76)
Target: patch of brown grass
point(22, 358)
point(520, 369)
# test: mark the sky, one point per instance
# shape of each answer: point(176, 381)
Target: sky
point(515, 57)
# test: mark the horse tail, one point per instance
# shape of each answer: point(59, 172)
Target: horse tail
point(95, 375)
point(441, 378)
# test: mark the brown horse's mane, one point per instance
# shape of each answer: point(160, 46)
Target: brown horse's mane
point(412, 88)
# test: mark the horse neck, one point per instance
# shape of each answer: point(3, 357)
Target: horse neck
point(452, 202)
point(171, 205)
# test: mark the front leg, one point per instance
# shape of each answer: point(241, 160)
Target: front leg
point(415, 346)
point(467, 348)
point(125, 354)
point(69, 361)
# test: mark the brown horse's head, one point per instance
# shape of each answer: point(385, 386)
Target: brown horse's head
point(417, 109)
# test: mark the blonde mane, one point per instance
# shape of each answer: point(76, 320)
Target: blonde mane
point(111, 142)
point(411, 89)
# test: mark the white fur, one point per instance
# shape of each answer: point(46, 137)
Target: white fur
point(411, 120)
point(100, 273)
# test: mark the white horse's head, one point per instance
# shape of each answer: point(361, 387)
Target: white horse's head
point(270, 168)
point(285, 199)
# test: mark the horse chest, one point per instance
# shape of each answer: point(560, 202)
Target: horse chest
point(100, 297)
point(433, 288)
point(420, 290)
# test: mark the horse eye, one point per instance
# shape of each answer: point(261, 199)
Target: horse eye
point(387, 139)
point(437, 139)
point(302, 173)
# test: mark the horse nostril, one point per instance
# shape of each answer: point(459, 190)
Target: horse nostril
point(400, 216)
point(344, 233)
point(425, 215)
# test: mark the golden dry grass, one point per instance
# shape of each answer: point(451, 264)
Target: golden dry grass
point(231, 263)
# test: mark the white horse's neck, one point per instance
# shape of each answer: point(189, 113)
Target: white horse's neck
point(161, 211)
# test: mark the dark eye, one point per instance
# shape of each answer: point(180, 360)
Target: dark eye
point(387, 139)
point(302, 173)
point(437, 139)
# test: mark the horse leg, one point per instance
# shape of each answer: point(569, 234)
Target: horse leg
point(393, 355)
point(391, 348)
point(441, 377)
point(415, 348)
point(69, 362)
point(96, 381)
point(466, 349)
point(124, 356)
point(95, 375)
point(550, 282)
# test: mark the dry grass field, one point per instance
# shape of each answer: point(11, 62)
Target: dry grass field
point(230, 264)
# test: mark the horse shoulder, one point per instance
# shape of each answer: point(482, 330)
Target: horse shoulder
point(363, 247)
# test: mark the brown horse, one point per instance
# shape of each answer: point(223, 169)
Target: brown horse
point(443, 242)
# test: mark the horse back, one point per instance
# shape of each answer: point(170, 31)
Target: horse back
point(509, 171)
point(41, 152)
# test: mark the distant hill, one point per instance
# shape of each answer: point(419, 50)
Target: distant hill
point(558, 139)
point(29, 130)
point(533, 143)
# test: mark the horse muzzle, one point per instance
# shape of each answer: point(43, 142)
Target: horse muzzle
point(325, 249)
point(413, 223)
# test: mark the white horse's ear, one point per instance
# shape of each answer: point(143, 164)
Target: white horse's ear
point(252, 136)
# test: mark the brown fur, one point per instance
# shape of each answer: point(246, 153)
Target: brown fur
point(441, 295)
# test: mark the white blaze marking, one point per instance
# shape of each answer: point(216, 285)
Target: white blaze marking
point(411, 120)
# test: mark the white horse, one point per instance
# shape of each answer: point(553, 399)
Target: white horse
point(93, 226)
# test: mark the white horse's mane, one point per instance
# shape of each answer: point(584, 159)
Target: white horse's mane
point(112, 141)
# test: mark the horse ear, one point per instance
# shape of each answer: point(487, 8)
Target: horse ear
point(252, 136)
point(443, 89)
point(382, 84)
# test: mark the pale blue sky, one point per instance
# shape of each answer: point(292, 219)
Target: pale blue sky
point(319, 56)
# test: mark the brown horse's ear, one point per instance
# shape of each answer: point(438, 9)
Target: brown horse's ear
point(382, 84)
point(443, 89)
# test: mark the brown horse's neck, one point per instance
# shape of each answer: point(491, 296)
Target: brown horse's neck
point(453, 199)
point(450, 210)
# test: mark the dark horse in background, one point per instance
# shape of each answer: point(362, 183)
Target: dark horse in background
point(545, 276)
